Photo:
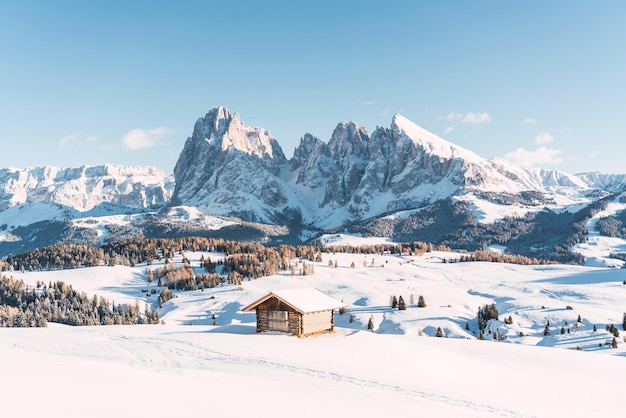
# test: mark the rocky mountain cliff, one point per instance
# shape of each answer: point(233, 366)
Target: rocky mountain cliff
point(229, 168)
point(85, 188)
point(401, 182)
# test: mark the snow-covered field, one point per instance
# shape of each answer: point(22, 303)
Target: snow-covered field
point(176, 370)
point(190, 366)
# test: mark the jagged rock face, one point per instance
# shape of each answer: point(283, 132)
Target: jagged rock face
point(219, 139)
point(230, 167)
point(349, 148)
point(86, 187)
point(314, 161)
point(385, 166)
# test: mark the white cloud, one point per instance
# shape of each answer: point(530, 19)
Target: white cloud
point(74, 140)
point(137, 139)
point(469, 118)
point(68, 140)
point(476, 118)
point(367, 102)
point(544, 138)
point(529, 122)
point(540, 156)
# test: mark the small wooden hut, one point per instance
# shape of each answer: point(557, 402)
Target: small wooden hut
point(297, 311)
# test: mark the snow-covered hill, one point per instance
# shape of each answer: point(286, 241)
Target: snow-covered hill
point(189, 365)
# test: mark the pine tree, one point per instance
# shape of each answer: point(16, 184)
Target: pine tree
point(562, 330)
point(486, 313)
point(467, 327)
point(370, 323)
point(614, 343)
point(579, 319)
point(401, 304)
point(595, 328)
point(439, 332)
point(421, 303)
point(546, 331)
point(394, 302)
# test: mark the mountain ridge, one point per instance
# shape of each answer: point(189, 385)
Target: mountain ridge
point(354, 175)
point(378, 181)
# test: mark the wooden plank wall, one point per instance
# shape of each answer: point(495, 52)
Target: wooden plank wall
point(317, 321)
point(295, 323)
point(298, 324)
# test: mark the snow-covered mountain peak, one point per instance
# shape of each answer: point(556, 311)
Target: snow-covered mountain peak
point(430, 142)
point(233, 169)
point(223, 130)
point(213, 125)
point(85, 187)
point(348, 138)
point(250, 139)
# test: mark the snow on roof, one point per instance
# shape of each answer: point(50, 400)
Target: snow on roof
point(305, 300)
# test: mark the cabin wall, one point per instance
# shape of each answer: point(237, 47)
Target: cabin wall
point(295, 323)
point(317, 321)
point(274, 315)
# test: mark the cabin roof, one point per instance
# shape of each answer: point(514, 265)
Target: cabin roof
point(305, 300)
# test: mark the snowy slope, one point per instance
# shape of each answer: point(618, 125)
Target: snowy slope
point(86, 187)
point(430, 142)
point(229, 369)
point(172, 371)
point(365, 283)
point(597, 248)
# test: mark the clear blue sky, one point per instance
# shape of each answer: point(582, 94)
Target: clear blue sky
point(89, 82)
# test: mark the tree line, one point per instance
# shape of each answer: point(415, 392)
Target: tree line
point(58, 302)
point(248, 260)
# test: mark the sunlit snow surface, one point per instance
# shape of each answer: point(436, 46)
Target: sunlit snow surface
point(189, 366)
point(597, 248)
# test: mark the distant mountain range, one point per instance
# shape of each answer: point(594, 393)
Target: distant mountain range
point(233, 180)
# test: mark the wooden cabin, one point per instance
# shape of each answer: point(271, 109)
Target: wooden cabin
point(297, 311)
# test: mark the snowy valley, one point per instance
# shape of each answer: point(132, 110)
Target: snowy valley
point(207, 354)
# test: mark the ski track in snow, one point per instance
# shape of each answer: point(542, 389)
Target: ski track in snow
point(156, 352)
